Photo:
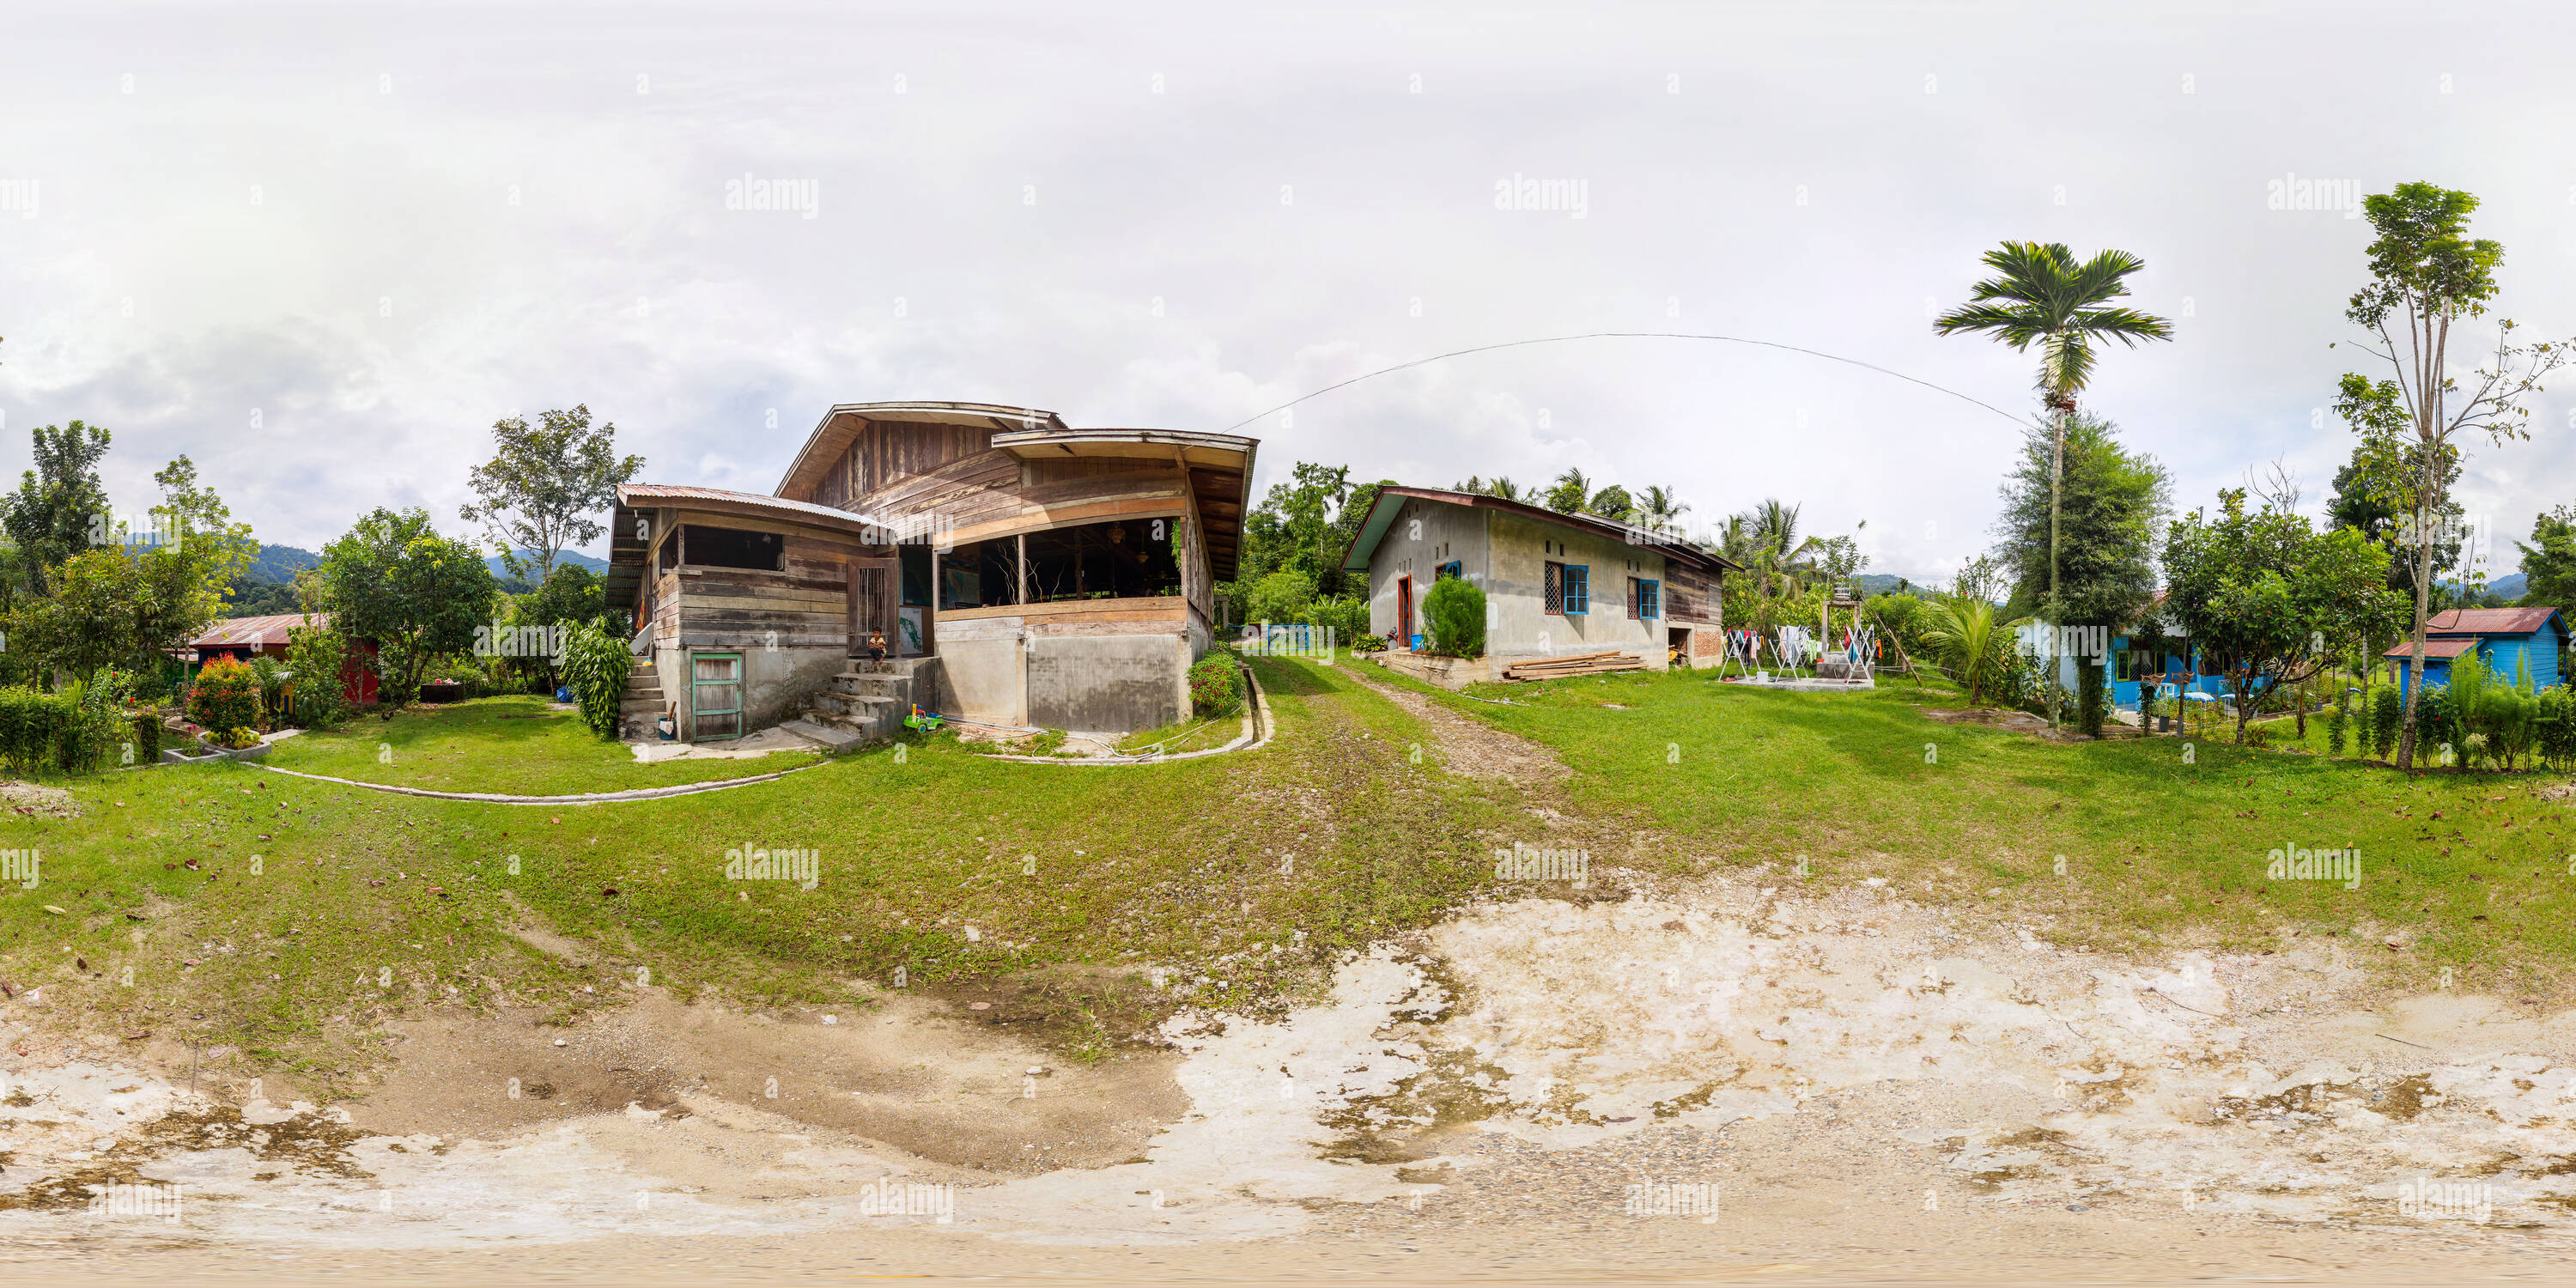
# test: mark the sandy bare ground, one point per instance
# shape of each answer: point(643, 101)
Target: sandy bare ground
point(1726, 1078)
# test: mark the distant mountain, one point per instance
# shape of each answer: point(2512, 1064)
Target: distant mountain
point(279, 563)
point(1880, 583)
point(575, 557)
point(2512, 587)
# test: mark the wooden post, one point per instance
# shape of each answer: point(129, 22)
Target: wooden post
point(930, 609)
point(1020, 544)
point(857, 630)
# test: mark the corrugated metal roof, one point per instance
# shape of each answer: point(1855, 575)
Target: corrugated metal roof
point(629, 493)
point(1670, 545)
point(2490, 621)
point(257, 632)
point(2434, 650)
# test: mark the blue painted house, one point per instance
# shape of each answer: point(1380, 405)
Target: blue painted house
point(2505, 639)
point(2132, 665)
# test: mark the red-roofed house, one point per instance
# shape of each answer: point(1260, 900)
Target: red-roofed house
point(2505, 639)
point(243, 638)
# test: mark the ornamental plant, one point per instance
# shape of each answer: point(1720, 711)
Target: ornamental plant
point(226, 695)
point(595, 666)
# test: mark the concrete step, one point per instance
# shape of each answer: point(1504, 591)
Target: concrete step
point(832, 738)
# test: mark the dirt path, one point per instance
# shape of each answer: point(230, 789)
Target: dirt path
point(1730, 1076)
point(1469, 747)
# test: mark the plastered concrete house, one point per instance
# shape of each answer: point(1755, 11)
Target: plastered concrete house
point(1014, 570)
point(1555, 584)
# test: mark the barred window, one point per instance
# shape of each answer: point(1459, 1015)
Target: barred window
point(1556, 590)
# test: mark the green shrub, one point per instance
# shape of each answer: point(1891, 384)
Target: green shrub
point(595, 665)
point(1279, 597)
point(2387, 711)
point(1454, 615)
point(1216, 686)
point(318, 658)
point(2338, 724)
point(2554, 727)
point(225, 695)
point(1347, 617)
point(58, 731)
point(1369, 644)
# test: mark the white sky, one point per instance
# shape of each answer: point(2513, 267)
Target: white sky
point(384, 227)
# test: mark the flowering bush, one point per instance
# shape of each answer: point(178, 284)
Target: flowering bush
point(225, 696)
point(1216, 685)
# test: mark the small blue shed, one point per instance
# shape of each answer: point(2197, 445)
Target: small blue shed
point(2505, 639)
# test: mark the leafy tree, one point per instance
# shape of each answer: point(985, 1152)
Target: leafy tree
point(2426, 274)
point(318, 657)
point(2356, 502)
point(1303, 526)
point(2041, 296)
point(418, 595)
point(1979, 579)
point(2549, 562)
point(127, 603)
point(2273, 600)
point(2095, 506)
point(543, 483)
point(1570, 491)
point(1612, 503)
point(59, 504)
point(1279, 597)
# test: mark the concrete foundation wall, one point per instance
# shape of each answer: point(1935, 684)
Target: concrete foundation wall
point(776, 682)
point(985, 678)
point(1107, 682)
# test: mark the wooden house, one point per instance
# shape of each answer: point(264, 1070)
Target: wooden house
point(1017, 572)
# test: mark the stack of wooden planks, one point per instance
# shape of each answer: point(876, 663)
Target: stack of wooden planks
point(1578, 664)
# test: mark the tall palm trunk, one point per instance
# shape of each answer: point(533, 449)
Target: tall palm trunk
point(2056, 619)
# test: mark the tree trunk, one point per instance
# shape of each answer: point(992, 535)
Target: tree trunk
point(2423, 590)
point(2056, 618)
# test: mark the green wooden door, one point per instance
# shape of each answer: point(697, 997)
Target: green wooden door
point(715, 696)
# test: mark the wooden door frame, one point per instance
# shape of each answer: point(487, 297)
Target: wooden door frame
point(1404, 612)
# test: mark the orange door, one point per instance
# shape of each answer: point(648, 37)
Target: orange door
point(1404, 612)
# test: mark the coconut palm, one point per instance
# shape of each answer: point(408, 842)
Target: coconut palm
point(1963, 633)
point(1778, 554)
point(1660, 508)
point(2041, 296)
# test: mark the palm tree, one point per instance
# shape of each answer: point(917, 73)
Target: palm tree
point(1964, 635)
point(1502, 487)
point(2041, 296)
point(1661, 508)
point(1777, 552)
point(1572, 489)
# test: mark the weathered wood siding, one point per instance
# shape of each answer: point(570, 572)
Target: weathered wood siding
point(805, 604)
point(1691, 597)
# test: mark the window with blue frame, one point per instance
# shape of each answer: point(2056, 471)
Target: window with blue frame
point(1455, 569)
point(1578, 589)
point(1645, 598)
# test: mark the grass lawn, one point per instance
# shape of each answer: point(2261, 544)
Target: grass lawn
point(290, 917)
point(2159, 849)
point(509, 744)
